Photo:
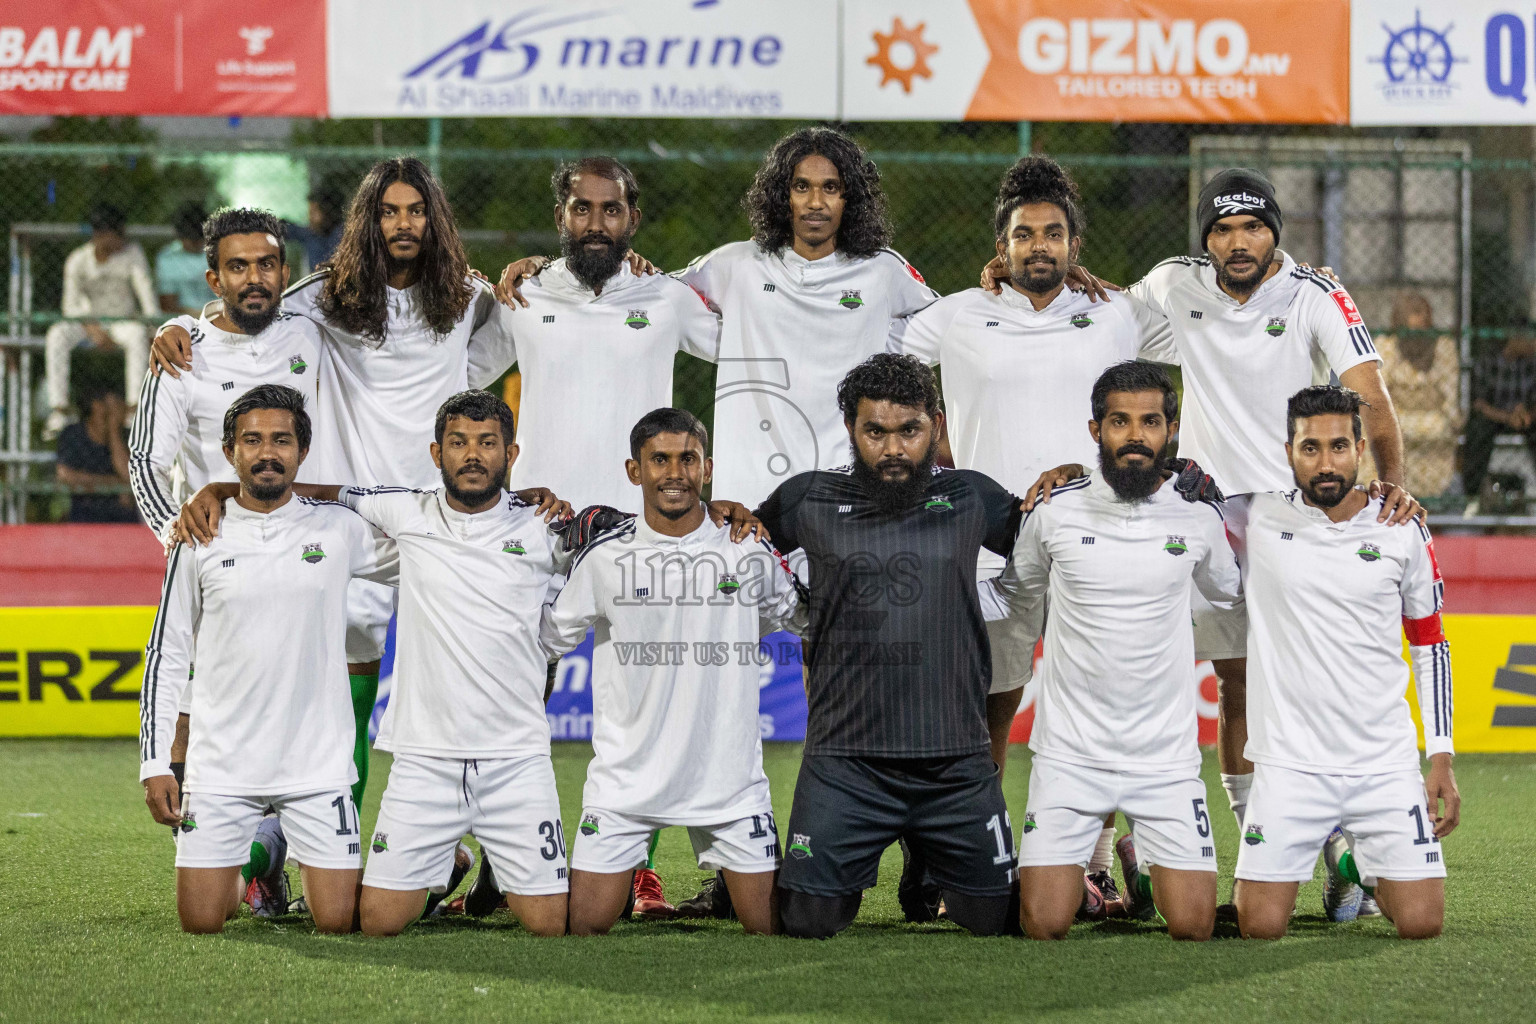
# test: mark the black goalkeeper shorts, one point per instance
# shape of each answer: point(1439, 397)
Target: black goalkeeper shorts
point(848, 810)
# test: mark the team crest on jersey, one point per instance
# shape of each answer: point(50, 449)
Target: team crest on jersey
point(1254, 835)
point(850, 299)
point(296, 364)
point(1029, 822)
point(636, 319)
point(312, 553)
point(800, 846)
point(380, 842)
point(728, 584)
point(1369, 553)
point(189, 821)
point(1275, 327)
point(939, 504)
point(513, 547)
point(588, 826)
point(1081, 320)
point(1175, 546)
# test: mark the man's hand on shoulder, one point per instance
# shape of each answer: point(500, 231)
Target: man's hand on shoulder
point(579, 530)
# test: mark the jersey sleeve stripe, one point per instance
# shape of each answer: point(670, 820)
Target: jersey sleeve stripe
point(1315, 278)
point(156, 506)
point(150, 689)
point(626, 528)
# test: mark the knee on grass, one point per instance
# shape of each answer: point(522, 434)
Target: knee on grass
point(816, 917)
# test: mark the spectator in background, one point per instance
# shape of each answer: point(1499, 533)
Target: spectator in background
point(106, 277)
point(1423, 375)
point(93, 456)
point(327, 216)
point(180, 266)
point(1503, 400)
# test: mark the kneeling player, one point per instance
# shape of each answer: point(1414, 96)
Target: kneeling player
point(1329, 729)
point(271, 727)
point(679, 608)
point(1115, 722)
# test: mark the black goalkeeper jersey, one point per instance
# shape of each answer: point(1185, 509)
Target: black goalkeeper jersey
point(896, 656)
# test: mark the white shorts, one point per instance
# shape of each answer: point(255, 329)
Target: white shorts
point(608, 843)
point(509, 804)
point(217, 830)
point(370, 606)
point(1219, 635)
point(1067, 804)
point(1290, 814)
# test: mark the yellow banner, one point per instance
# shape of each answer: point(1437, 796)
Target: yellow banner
point(76, 672)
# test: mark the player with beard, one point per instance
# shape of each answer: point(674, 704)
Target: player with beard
point(1332, 593)
point(1115, 720)
point(466, 720)
point(897, 663)
point(264, 607)
point(402, 322)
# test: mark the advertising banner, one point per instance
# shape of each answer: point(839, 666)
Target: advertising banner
point(1442, 62)
point(109, 57)
point(661, 58)
point(1097, 60)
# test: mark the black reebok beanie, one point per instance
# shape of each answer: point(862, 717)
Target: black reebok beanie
point(1235, 191)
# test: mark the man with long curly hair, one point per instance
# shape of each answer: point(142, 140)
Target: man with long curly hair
point(403, 321)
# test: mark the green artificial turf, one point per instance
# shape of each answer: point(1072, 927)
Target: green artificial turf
point(88, 932)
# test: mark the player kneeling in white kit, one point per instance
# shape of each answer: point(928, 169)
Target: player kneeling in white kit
point(265, 605)
point(1115, 720)
point(1329, 729)
point(679, 608)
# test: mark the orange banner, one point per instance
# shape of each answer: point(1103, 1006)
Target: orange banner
point(1164, 60)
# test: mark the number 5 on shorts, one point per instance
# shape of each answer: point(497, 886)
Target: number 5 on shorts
point(1202, 820)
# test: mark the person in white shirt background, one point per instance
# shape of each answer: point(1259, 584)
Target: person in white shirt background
point(264, 606)
point(1331, 594)
point(1115, 721)
point(106, 277)
point(675, 740)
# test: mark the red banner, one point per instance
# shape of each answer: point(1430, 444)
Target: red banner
point(99, 57)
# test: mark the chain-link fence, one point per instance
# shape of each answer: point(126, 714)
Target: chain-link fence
point(1446, 215)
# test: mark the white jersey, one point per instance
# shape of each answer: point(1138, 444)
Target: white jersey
point(1243, 361)
point(380, 398)
point(469, 672)
point(1328, 606)
point(793, 329)
point(592, 365)
point(120, 286)
point(177, 442)
point(1117, 683)
point(675, 734)
point(265, 604)
point(1017, 381)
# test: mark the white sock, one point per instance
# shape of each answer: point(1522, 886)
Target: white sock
point(1103, 852)
point(1237, 787)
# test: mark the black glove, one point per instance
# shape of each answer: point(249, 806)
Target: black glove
point(1192, 482)
point(577, 532)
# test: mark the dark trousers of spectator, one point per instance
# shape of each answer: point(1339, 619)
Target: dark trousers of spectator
point(1480, 433)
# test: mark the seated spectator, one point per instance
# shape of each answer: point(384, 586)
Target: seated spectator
point(1423, 375)
point(180, 266)
point(327, 216)
point(1503, 400)
point(106, 277)
point(93, 456)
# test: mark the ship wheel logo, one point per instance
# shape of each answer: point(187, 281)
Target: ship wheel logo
point(1418, 55)
point(902, 42)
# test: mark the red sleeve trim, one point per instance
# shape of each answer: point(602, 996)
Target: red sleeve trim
point(1425, 632)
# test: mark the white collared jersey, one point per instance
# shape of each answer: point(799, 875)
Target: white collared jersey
point(675, 674)
point(1328, 607)
point(380, 398)
point(1243, 361)
point(265, 605)
point(1117, 684)
point(793, 329)
point(469, 671)
point(177, 442)
point(1017, 381)
point(592, 365)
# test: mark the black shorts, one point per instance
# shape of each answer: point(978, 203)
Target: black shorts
point(848, 810)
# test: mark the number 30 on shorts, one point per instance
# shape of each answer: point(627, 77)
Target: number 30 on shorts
point(554, 840)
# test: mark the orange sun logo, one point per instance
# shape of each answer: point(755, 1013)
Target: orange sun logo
point(921, 51)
